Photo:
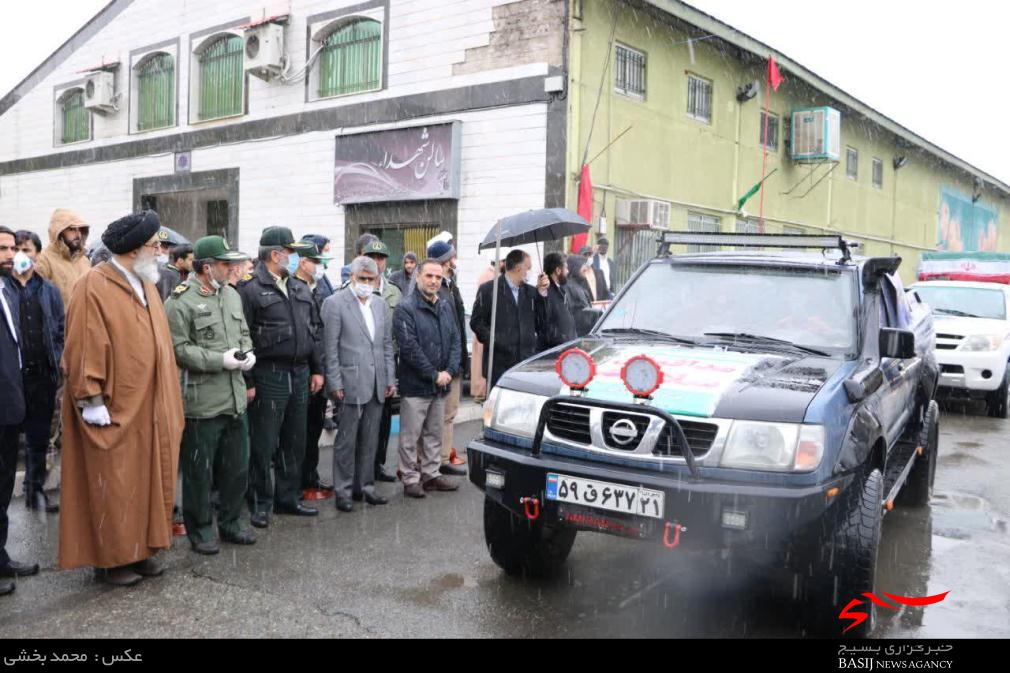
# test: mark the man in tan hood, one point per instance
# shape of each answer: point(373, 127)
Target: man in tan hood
point(63, 262)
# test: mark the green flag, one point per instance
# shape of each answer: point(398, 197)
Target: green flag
point(746, 197)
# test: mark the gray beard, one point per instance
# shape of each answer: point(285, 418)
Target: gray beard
point(147, 269)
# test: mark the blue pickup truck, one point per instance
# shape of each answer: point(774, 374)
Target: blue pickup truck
point(767, 403)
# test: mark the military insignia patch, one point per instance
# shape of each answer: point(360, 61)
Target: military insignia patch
point(163, 235)
point(180, 289)
point(204, 292)
point(247, 277)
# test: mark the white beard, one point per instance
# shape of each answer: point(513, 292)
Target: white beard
point(147, 269)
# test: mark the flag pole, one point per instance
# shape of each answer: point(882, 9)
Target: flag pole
point(764, 154)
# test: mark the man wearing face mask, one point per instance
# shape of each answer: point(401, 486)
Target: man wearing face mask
point(522, 315)
point(287, 334)
point(312, 272)
point(63, 262)
point(42, 325)
point(212, 348)
point(560, 325)
point(122, 413)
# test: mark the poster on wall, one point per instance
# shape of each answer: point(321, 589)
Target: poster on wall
point(408, 164)
point(965, 226)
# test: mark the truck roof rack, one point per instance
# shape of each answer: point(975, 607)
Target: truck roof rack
point(825, 242)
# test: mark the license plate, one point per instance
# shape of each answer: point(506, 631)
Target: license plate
point(604, 495)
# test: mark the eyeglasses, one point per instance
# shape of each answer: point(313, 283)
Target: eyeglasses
point(153, 246)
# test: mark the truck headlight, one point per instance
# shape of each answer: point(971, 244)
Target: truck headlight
point(515, 413)
point(774, 447)
point(981, 342)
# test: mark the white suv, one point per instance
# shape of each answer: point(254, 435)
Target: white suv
point(972, 323)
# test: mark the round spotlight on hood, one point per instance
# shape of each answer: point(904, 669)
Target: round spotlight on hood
point(642, 376)
point(576, 368)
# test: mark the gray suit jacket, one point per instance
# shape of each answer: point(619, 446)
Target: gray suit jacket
point(356, 364)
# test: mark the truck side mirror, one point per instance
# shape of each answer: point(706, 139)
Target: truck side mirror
point(897, 343)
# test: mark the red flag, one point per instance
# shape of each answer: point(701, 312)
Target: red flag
point(775, 78)
point(585, 208)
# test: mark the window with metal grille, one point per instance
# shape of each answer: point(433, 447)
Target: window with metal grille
point(701, 223)
point(156, 93)
point(772, 139)
point(878, 173)
point(629, 72)
point(699, 98)
point(75, 119)
point(748, 226)
point(351, 59)
point(221, 79)
point(851, 163)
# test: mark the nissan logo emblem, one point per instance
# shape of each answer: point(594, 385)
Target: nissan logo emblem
point(623, 432)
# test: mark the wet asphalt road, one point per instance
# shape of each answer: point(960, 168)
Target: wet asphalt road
point(420, 569)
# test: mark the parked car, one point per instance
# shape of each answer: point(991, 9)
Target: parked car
point(972, 339)
point(770, 405)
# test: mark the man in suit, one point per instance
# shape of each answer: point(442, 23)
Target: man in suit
point(521, 311)
point(12, 405)
point(605, 265)
point(360, 373)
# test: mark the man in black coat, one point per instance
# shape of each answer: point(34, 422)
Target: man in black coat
point(560, 325)
point(522, 315)
point(605, 266)
point(12, 405)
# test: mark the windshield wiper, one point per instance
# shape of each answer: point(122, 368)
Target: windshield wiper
point(649, 333)
point(757, 337)
point(959, 314)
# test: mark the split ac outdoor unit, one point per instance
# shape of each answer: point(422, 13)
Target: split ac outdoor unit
point(100, 91)
point(264, 50)
point(649, 212)
point(816, 135)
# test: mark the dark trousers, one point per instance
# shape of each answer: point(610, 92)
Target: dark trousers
point(40, 403)
point(385, 428)
point(310, 466)
point(354, 452)
point(277, 426)
point(8, 467)
point(214, 451)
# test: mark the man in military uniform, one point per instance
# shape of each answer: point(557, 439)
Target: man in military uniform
point(391, 296)
point(212, 348)
point(287, 334)
point(169, 276)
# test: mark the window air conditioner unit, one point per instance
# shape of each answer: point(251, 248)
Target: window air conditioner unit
point(264, 50)
point(643, 212)
point(815, 135)
point(100, 91)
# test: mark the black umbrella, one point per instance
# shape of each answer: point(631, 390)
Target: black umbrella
point(535, 226)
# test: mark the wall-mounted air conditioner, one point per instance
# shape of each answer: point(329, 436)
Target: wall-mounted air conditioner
point(816, 135)
point(264, 50)
point(643, 212)
point(100, 91)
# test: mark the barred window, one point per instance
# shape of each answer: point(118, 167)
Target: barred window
point(156, 93)
point(629, 72)
point(351, 59)
point(772, 141)
point(701, 223)
point(878, 173)
point(852, 163)
point(75, 119)
point(221, 79)
point(699, 99)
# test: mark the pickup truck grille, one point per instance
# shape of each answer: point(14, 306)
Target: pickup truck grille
point(951, 369)
point(700, 437)
point(570, 422)
point(610, 418)
point(948, 342)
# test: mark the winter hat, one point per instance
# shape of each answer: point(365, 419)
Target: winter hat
point(131, 232)
point(440, 251)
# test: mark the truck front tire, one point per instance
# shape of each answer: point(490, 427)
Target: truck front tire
point(523, 547)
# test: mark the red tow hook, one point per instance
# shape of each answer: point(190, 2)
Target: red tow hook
point(526, 502)
point(676, 536)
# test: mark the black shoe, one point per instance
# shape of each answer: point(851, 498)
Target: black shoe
point(206, 548)
point(244, 537)
point(345, 505)
point(38, 501)
point(15, 569)
point(357, 497)
point(452, 470)
point(297, 510)
point(6, 588)
point(382, 475)
point(260, 519)
point(375, 499)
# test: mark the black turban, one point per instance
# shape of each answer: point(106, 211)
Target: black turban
point(131, 232)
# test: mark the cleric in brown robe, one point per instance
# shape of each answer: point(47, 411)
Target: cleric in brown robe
point(122, 413)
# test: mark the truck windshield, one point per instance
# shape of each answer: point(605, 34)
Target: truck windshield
point(971, 302)
point(811, 309)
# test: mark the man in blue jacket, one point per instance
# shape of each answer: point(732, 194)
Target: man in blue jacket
point(428, 337)
point(42, 324)
point(12, 405)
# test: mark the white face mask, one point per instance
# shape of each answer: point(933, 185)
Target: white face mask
point(162, 259)
point(22, 263)
point(319, 273)
point(363, 290)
